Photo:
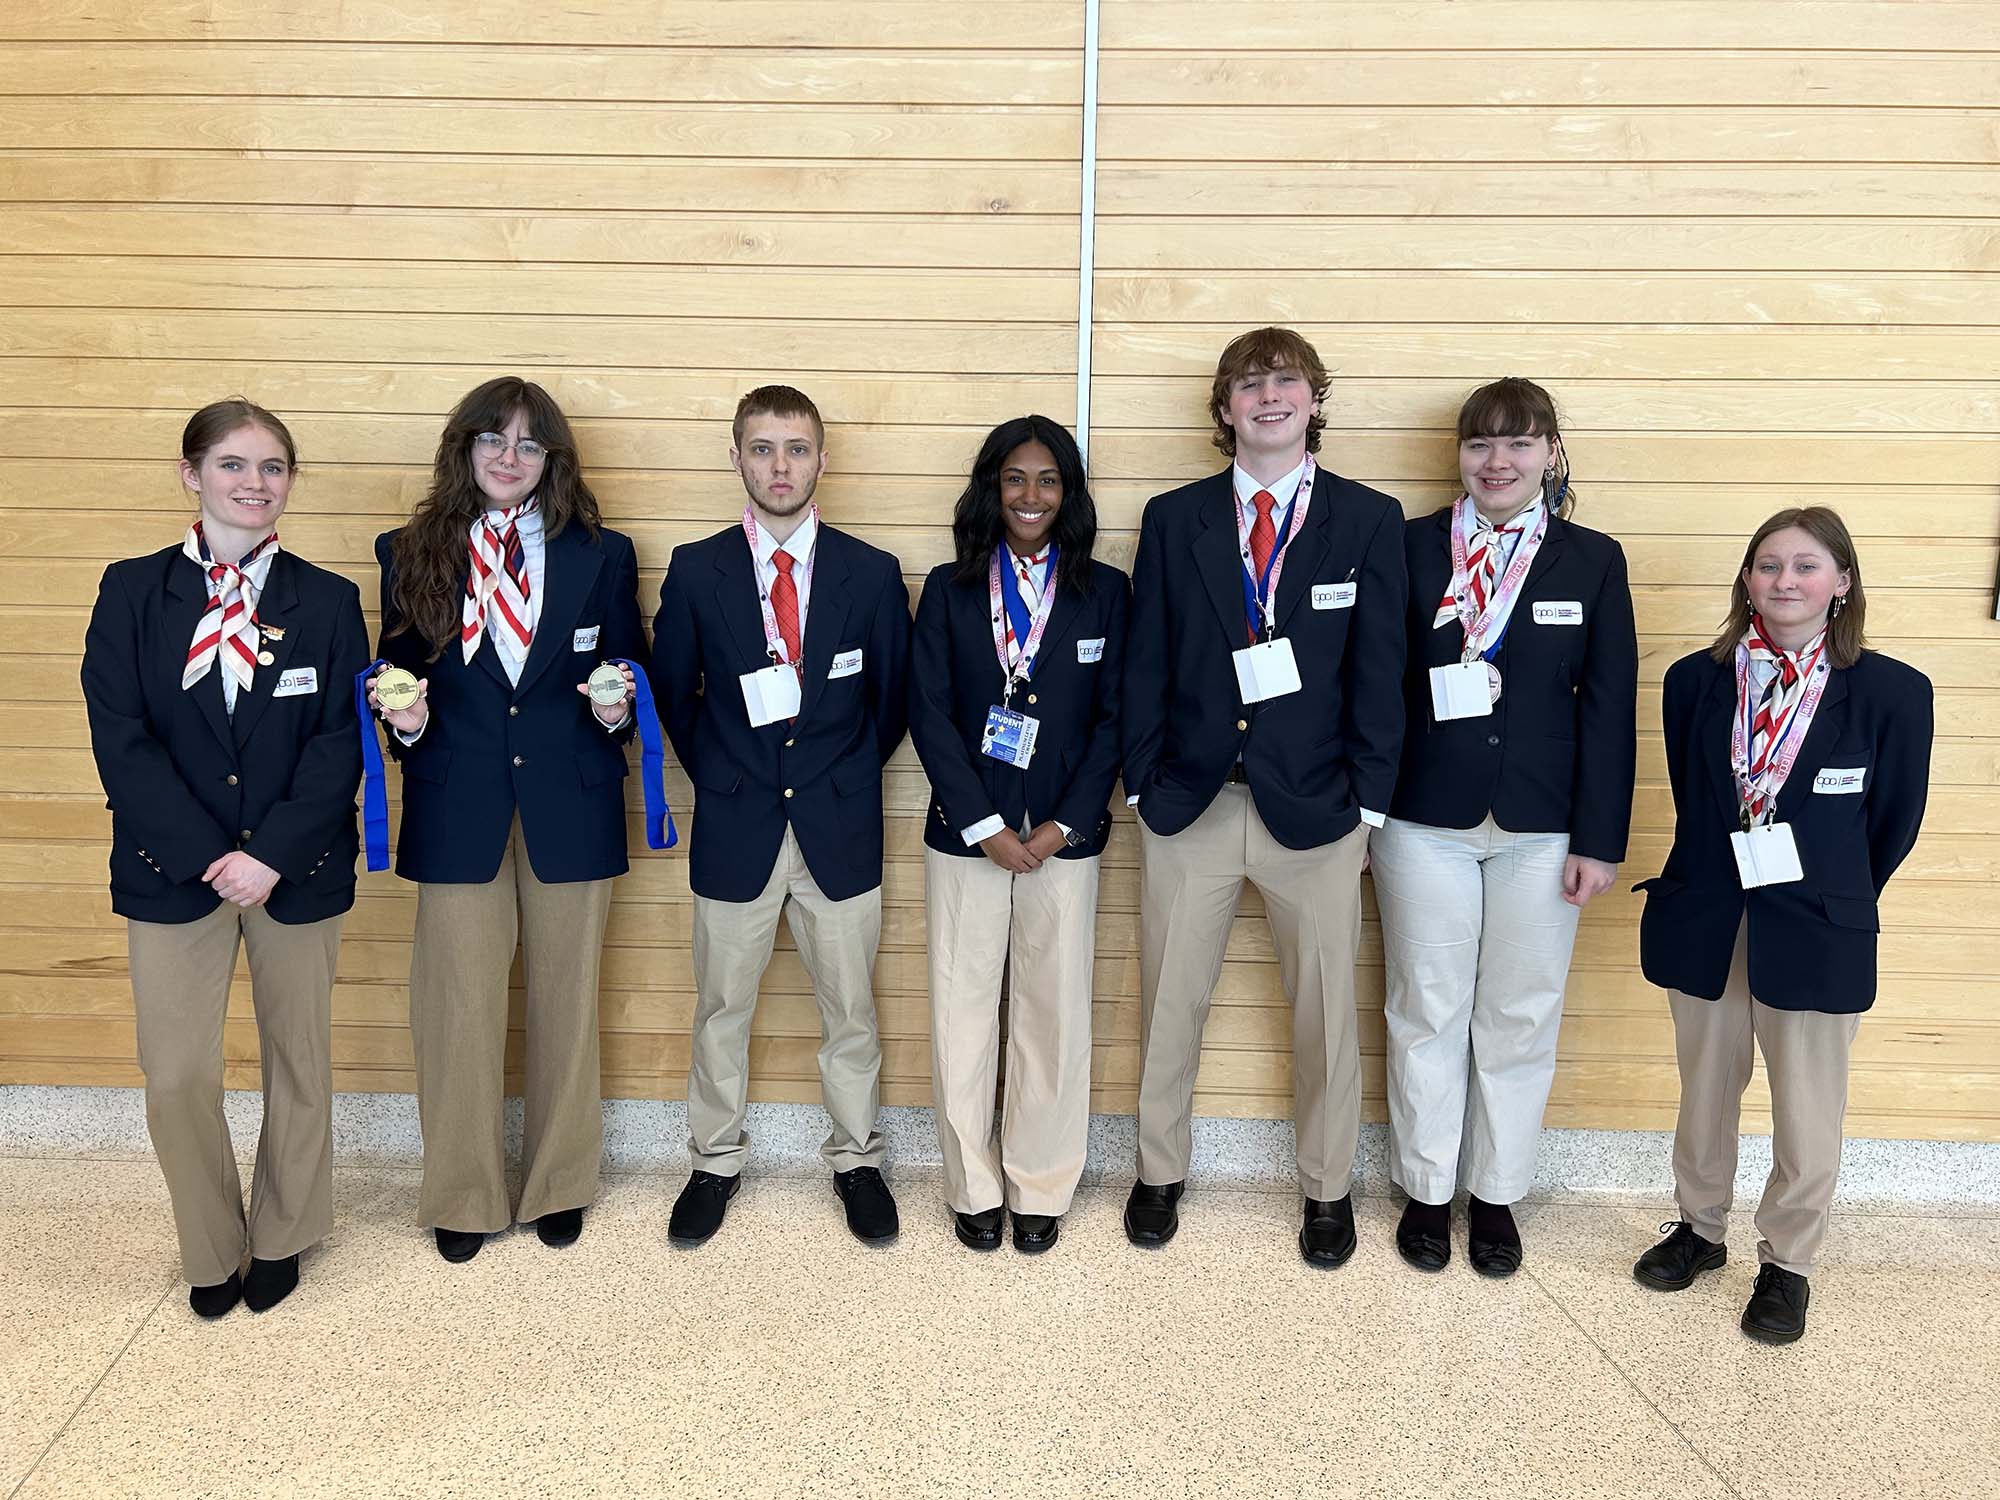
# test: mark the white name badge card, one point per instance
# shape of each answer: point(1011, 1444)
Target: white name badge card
point(1766, 855)
point(1334, 595)
point(585, 639)
point(846, 664)
point(1841, 783)
point(1559, 612)
point(770, 695)
point(1009, 736)
point(1462, 690)
point(1266, 670)
point(296, 683)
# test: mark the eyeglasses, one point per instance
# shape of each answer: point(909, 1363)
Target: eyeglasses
point(493, 444)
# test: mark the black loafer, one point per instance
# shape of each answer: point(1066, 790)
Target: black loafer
point(270, 1282)
point(1034, 1233)
point(1673, 1264)
point(1326, 1237)
point(214, 1301)
point(1492, 1242)
point(1151, 1216)
point(980, 1231)
point(457, 1246)
point(1419, 1245)
point(699, 1209)
point(1496, 1258)
point(1776, 1313)
point(871, 1211)
point(559, 1228)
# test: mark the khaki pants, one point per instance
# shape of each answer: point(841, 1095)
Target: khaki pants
point(464, 948)
point(1040, 928)
point(1805, 1058)
point(1476, 938)
point(1189, 884)
point(837, 941)
point(181, 973)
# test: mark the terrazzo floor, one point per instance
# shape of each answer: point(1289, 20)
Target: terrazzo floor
point(785, 1359)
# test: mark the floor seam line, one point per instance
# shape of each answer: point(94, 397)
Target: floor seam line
point(102, 1376)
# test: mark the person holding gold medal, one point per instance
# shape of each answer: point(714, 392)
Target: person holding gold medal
point(215, 677)
point(1510, 815)
point(510, 618)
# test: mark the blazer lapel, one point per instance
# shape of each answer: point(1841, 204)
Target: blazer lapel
point(1218, 560)
point(1828, 719)
point(1064, 613)
point(275, 606)
point(1712, 736)
point(186, 600)
point(826, 613)
point(737, 600)
point(569, 570)
point(1303, 557)
point(1552, 551)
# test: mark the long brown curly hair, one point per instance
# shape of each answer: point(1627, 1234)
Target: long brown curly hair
point(430, 552)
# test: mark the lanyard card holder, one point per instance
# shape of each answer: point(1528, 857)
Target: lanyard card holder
point(1009, 737)
point(771, 694)
point(1766, 855)
point(1266, 670)
point(1462, 690)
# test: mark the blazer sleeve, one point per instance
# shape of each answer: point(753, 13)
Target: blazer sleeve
point(623, 636)
point(1083, 802)
point(1607, 694)
point(1376, 647)
point(296, 832)
point(675, 663)
point(1677, 701)
point(889, 650)
point(1143, 690)
point(143, 785)
point(402, 648)
point(954, 778)
point(1902, 781)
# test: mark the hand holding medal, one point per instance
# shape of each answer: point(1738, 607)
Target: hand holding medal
point(400, 699)
point(609, 690)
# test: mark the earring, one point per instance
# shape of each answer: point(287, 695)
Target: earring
point(1839, 603)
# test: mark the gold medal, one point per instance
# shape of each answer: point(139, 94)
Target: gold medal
point(396, 689)
point(265, 658)
point(607, 685)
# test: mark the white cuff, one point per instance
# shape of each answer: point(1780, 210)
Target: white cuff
point(1066, 830)
point(1371, 818)
point(984, 829)
point(415, 734)
point(1132, 801)
point(614, 728)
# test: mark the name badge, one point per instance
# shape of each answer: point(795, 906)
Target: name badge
point(1462, 690)
point(1090, 651)
point(770, 695)
point(1834, 783)
point(1334, 595)
point(296, 683)
point(846, 664)
point(1559, 612)
point(1009, 736)
point(1266, 670)
point(1766, 855)
point(585, 639)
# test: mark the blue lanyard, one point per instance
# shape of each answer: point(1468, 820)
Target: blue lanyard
point(1018, 615)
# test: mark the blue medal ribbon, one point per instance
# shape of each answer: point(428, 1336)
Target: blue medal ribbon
point(660, 830)
point(374, 791)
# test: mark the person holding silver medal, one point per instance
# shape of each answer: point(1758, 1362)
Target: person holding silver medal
point(1800, 763)
point(1510, 815)
point(1014, 688)
point(506, 608)
point(216, 676)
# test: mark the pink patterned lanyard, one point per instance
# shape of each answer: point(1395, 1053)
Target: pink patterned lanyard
point(1492, 620)
point(1758, 794)
point(774, 643)
point(1020, 671)
point(1266, 597)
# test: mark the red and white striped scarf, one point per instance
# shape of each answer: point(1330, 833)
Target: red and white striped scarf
point(1027, 572)
point(1482, 567)
point(1776, 707)
point(228, 627)
point(497, 580)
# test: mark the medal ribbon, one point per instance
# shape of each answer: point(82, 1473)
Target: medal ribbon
point(1761, 753)
point(374, 791)
point(660, 830)
point(1010, 611)
point(774, 643)
point(1260, 595)
point(1485, 622)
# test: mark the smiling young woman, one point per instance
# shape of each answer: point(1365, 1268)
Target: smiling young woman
point(217, 674)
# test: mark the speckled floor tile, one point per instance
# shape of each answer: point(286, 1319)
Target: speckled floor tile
point(1890, 1392)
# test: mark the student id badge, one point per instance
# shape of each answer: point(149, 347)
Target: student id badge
point(1766, 855)
point(1462, 690)
point(1009, 737)
point(771, 694)
point(1266, 670)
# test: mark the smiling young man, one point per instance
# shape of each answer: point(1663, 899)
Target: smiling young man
point(1263, 720)
point(780, 658)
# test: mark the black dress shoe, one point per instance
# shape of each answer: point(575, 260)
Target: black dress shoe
point(871, 1211)
point(214, 1301)
point(559, 1228)
point(1034, 1233)
point(1150, 1215)
point(980, 1231)
point(1492, 1243)
point(458, 1246)
point(1423, 1235)
point(270, 1282)
point(699, 1209)
point(1776, 1313)
point(1326, 1237)
point(1673, 1264)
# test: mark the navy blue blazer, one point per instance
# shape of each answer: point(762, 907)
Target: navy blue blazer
point(1314, 758)
point(955, 678)
point(822, 773)
point(1812, 941)
point(185, 781)
point(491, 748)
point(1558, 751)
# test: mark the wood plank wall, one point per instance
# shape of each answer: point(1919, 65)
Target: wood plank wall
point(1742, 244)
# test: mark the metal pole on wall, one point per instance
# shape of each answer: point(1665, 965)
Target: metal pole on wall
point(1087, 246)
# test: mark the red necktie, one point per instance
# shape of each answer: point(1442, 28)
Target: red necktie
point(1263, 538)
point(785, 605)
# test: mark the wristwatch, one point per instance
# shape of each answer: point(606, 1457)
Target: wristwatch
point(1075, 838)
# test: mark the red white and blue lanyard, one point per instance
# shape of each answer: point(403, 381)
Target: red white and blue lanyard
point(1259, 596)
point(774, 643)
point(1757, 787)
point(1011, 617)
point(1499, 611)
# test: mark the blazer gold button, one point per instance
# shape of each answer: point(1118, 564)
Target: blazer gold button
point(231, 779)
point(790, 743)
point(1242, 723)
point(520, 760)
point(513, 710)
point(246, 835)
point(788, 791)
point(1031, 697)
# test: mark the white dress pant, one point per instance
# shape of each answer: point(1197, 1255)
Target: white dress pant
point(1477, 940)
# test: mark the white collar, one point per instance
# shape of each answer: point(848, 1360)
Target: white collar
point(798, 545)
point(1283, 488)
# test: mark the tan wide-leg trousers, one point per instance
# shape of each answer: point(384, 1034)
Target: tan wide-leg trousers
point(180, 989)
point(1189, 884)
point(464, 948)
point(1040, 928)
point(837, 941)
point(1805, 1058)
